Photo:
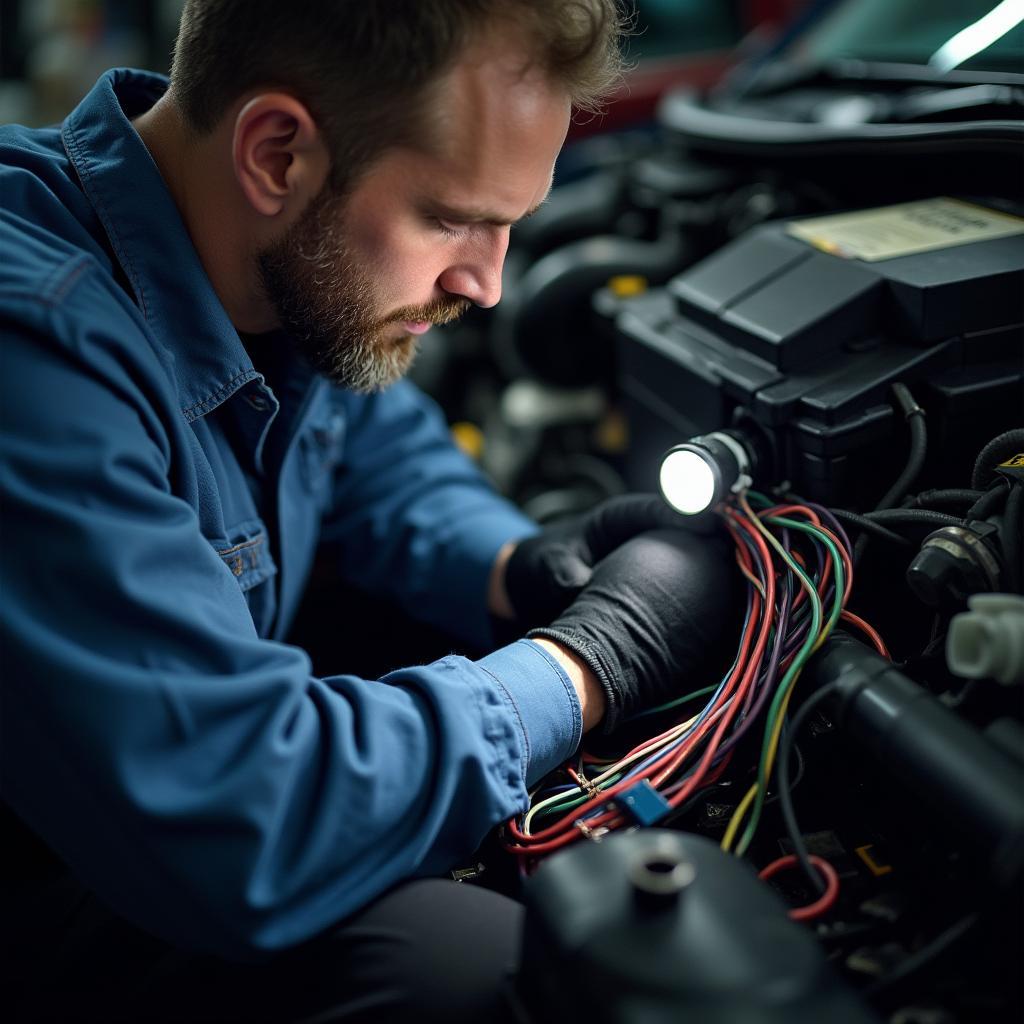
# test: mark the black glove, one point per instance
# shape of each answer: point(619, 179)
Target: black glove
point(652, 616)
point(547, 571)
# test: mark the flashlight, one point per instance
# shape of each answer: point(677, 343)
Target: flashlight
point(703, 471)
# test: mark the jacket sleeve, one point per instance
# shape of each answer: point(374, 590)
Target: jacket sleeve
point(413, 518)
point(198, 777)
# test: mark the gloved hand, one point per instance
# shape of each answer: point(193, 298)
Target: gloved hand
point(547, 571)
point(651, 616)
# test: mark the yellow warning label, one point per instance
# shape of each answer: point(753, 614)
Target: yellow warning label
point(891, 231)
point(1013, 462)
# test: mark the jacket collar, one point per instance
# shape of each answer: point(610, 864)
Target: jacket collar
point(150, 241)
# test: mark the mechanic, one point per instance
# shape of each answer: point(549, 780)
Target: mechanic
point(209, 293)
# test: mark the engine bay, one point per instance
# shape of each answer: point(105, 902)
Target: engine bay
point(807, 283)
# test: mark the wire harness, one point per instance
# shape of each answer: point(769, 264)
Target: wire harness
point(798, 564)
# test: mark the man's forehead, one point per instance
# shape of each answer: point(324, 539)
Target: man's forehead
point(493, 125)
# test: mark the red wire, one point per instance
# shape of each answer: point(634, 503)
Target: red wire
point(555, 836)
point(751, 672)
point(753, 556)
point(801, 594)
point(845, 556)
point(713, 776)
point(848, 616)
point(826, 902)
point(843, 553)
point(871, 632)
point(744, 672)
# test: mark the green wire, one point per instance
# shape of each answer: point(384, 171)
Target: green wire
point(561, 802)
point(798, 663)
point(677, 702)
point(773, 711)
point(789, 680)
point(837, 563)
point(565, 801)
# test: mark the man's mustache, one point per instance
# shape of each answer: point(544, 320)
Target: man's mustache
point(437, 312)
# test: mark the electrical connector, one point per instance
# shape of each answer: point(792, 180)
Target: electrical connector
point(987, 641)
point(644, 803)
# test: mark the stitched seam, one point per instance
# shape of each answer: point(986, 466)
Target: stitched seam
point(57, 284)
point(211, 401)
point(525, 758)
point(244, 544)
point(81, 161)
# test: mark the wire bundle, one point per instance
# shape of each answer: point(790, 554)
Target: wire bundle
point(797, 561)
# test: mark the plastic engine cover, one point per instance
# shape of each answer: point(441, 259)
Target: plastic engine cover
point(657, 926)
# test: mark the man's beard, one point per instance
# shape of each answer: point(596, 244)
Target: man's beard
point(326, 301)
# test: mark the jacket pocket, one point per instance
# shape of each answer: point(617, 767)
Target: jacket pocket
point(248, 558)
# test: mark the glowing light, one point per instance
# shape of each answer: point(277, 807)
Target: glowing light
point(687, 482)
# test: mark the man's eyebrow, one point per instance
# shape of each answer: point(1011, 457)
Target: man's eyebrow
point(475, 215)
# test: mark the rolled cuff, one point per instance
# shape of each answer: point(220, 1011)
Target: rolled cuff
point(545, 702)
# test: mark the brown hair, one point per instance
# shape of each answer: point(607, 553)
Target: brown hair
point(364, 67)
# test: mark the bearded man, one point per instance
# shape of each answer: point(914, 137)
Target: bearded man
point(210, 291)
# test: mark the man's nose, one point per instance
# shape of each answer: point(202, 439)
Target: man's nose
point(476, 275)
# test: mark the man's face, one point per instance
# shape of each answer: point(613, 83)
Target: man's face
point(422, 234)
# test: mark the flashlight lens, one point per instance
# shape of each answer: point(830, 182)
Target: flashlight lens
point(687, 482)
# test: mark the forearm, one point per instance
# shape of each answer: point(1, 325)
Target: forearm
point(588, 689)
point(498, 603)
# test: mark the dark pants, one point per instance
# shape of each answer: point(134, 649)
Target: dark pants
point(428, 951)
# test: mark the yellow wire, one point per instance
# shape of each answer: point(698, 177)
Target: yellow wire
point(737, 818)
point(776, 733)
point(773, 741)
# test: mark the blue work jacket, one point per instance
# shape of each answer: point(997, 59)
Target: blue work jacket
point(156, 730)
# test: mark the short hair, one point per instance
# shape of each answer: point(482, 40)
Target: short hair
point(364, 67)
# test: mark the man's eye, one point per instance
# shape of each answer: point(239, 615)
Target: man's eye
point(449, 229)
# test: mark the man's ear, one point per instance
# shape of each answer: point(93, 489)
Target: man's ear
point(280, 157)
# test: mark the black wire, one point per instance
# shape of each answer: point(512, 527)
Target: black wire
point(919, 959)
point(937, 638)
point(800, 768)
point(986, 504)
point(1010, 532)
point(786, 742)
point(868, 526)
point(913, 515)
point(914, 415)
point(949, 496)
